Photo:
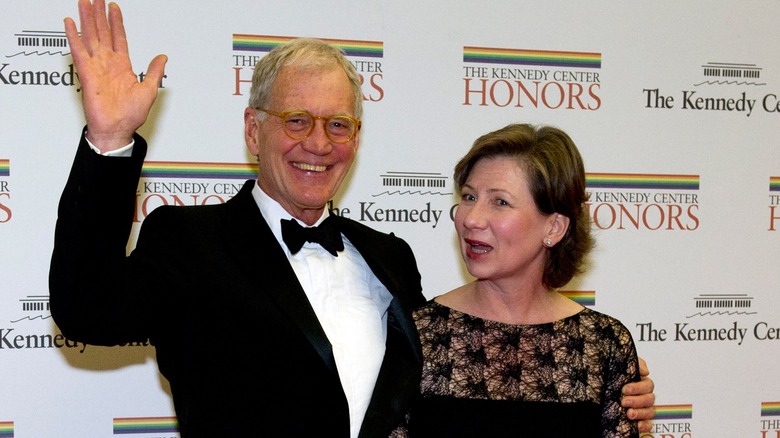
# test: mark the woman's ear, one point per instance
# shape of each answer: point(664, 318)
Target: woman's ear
point(559, 224)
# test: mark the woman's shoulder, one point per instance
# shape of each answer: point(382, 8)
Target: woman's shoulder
point(430, 309)
point(600, 317)
point(602, 324)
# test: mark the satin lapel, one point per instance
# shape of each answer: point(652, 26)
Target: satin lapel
point(398, 381)
point(264, 263)
point(399, 377)
point(377, 260)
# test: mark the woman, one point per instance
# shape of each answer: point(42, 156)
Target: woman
point(506, 354)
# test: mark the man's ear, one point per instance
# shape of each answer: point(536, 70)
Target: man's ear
point(356, 140)
point(251, 126)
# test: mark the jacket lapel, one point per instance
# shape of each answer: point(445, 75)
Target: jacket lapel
point(398, 381)
point(399, 376)
point(264, 263)
point(399, 285)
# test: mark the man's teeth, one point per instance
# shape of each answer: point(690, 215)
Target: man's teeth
point(310, 167)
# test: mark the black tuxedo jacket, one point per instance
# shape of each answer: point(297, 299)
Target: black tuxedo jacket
point(211, 288)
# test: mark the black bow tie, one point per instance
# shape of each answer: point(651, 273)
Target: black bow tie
point(326, 234)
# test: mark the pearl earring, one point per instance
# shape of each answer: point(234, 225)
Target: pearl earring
point(548, 242)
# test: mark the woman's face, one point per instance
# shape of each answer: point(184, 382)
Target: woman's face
point(500, 230)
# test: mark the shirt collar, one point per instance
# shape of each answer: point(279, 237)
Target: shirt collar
point(273, 212)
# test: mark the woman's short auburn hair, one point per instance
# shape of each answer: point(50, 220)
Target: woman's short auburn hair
point(556, 179)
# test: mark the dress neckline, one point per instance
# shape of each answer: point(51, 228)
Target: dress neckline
point(460, 313)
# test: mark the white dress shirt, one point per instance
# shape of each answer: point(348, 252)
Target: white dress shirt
point(350, 303)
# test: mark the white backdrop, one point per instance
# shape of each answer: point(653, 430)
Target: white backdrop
point(674, 106)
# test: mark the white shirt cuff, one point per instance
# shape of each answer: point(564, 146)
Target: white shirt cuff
point(125, 151)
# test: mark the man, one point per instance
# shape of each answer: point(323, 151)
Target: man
point(257, 336)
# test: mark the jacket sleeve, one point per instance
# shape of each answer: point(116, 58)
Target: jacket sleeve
point(91, 301)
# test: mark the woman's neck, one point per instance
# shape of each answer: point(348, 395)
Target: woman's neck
point(518, 305)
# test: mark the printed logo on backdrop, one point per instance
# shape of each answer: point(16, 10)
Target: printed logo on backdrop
point(770, 419)
point(34, 307)
point(147, 427)
point(188, 183)
point(720, 87)
point(29, 330)
point(643, 202)
point(6, 429)
point(722, 304)
point(669, 203)
point(774, 201)
point(38, 61)
point(671, 421)
point(714, 318)
point(5, 192)
point(366, 56)
point(525, 78)
point(419, 198)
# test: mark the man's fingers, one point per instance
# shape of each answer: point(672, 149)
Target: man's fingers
point(101, 24)
point(89, 34)
point(156, 69)
point(644, 386)
point(96, 33)
point(77, 49)
point(154, 74)
point(71, 33)
point(643, 370)
point(642, 414)
point(118, 36)
point(638, 401)
point(644, 426)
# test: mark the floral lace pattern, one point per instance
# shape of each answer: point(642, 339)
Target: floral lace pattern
point(587, 357)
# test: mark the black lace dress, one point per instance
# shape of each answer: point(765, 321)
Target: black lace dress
point(489, 379)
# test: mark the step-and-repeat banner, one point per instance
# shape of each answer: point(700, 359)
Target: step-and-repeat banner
point(675, 107)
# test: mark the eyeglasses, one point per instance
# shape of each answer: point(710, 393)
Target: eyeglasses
point(299, 124)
